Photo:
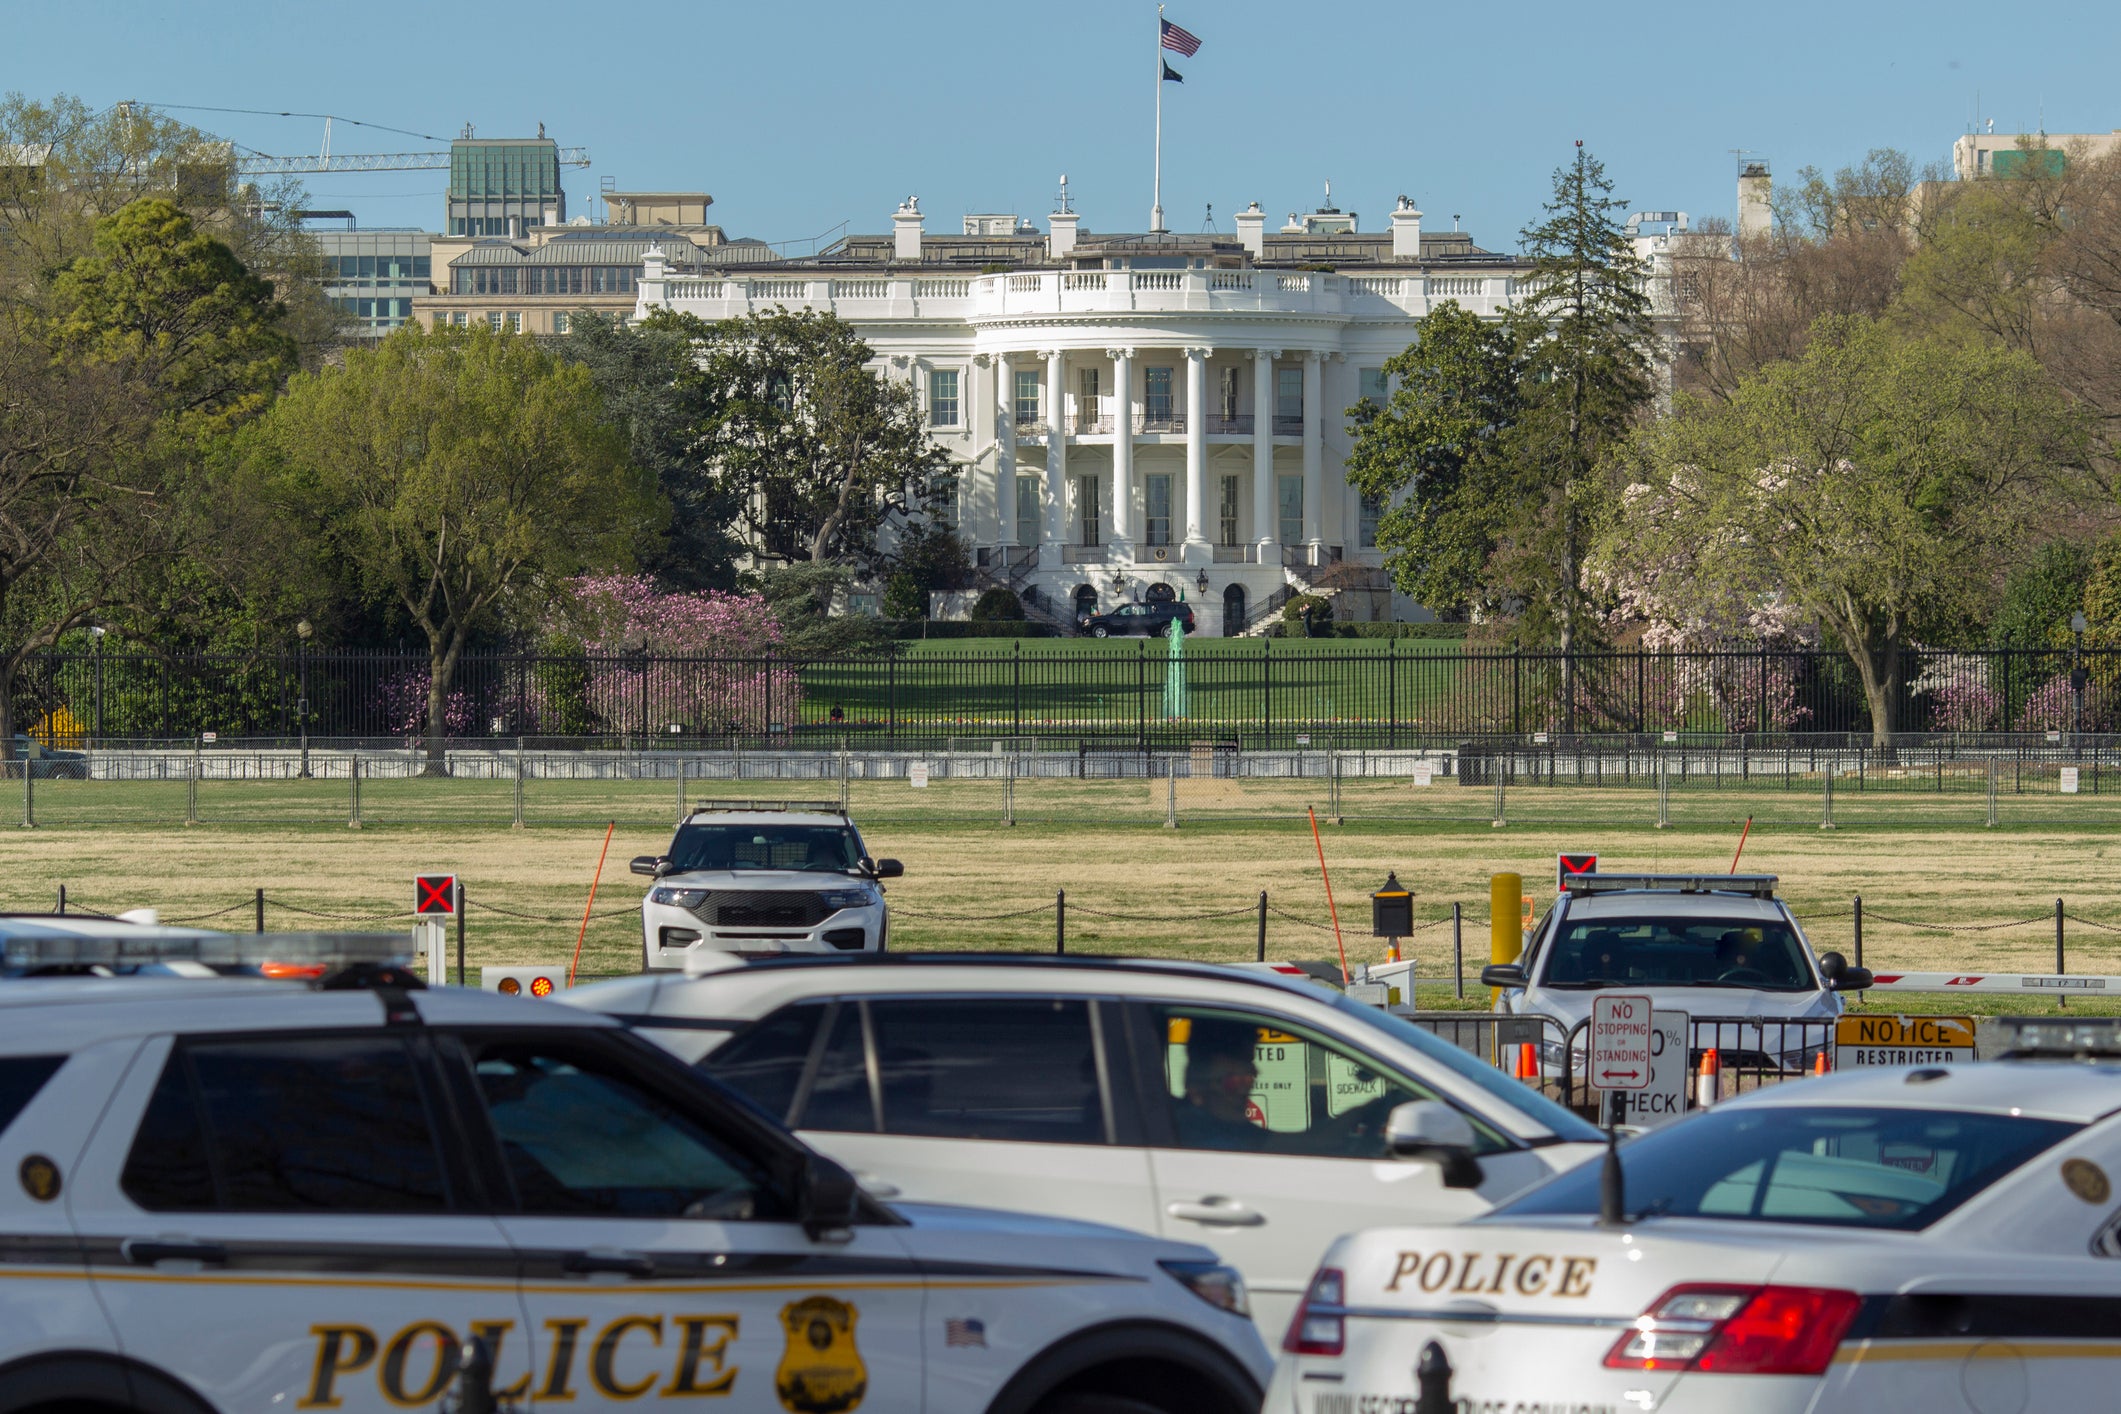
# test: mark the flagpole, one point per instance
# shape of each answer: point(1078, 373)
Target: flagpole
point(1156, 200)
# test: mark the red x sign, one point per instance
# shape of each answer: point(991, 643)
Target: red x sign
point(434, 893)
point(1567, 864)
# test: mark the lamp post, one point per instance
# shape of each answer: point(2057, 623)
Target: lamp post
point(302, 633)
point(2078, 677)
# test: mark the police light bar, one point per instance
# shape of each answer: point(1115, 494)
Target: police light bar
point(322, 951)
point(2047, 1038)
point(1751, 885)
point(814, 807)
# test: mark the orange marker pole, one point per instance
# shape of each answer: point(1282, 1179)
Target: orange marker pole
point(1330, 909)
point(598, 878)
point(1741, 843)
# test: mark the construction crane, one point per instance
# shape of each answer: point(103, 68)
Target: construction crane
point(262, 164)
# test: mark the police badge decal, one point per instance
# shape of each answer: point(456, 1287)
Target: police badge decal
point(821, 1372)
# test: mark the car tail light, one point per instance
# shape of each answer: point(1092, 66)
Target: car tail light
point(1319, 1328)
point(1738, 1330)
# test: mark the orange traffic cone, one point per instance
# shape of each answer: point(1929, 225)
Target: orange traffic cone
point(1819, 1063)
point(1528, 1062)
point(1708, 1080)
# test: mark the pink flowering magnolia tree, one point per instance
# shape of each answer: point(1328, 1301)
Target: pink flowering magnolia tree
point(703, 662)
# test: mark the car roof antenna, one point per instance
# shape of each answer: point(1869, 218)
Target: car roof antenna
point(1612, 1182)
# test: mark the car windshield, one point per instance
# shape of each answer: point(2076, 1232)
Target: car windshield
point(832, 848)
point(1757, 954)
point(1513, 1093)
point(1845, 1166)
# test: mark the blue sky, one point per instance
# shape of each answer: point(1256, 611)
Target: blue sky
point(799, 117)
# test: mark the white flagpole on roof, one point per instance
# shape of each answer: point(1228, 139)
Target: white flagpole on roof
point(1156, 200)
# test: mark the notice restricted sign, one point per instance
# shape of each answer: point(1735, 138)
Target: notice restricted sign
point(1902, 1040)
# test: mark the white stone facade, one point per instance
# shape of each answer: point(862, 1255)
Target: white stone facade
point(1135, 410)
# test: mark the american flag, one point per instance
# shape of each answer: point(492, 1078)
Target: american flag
point(964, 1332)
point(1182, 40)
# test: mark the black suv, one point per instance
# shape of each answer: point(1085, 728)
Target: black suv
point(1138, 618)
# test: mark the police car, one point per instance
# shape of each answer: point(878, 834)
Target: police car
point(1245, 1110)
point(245, 1194)
point(1935, 1238)
point(1709, 945)
point(760, 878)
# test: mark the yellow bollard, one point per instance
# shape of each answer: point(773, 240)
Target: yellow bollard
point(1506, 932)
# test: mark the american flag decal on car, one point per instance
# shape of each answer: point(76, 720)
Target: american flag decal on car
point(958, 1331)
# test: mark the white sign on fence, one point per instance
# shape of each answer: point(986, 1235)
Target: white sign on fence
point(917, 775)
point(1620, 1042)
point(1664, 1098)
point(2069, 780)
point(1424, 773)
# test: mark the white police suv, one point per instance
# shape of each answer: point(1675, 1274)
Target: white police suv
point(1937, 1238)
point(1245, 1110)
point(1719, 946)
point(761, 878)
point(244, 1195)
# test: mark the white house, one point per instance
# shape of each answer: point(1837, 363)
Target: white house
point(1136, 409)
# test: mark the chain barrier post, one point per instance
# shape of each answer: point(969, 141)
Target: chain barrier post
point(1060, 922)
point(517, 823)
point(1992, 792)
point(1260, 956)
point(353, 776)
point(1458, 946)
point(2060, 968)
point(1826, 797)
point(261, 912)
point(460, 930)
point(1859, 930)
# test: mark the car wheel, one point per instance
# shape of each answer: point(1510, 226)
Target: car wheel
point(1100, 631)
point(1095, 1404)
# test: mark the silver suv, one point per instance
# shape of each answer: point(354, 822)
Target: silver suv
point(762, 878)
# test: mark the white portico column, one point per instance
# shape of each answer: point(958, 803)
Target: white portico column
point(1056, 450)
point(1122, 448)
point(1314, 447)
point(1197, 454)
point(1266, 523)
point(1004, 454)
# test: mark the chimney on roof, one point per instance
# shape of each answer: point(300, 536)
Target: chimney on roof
point(1406, 230)
point(1755, 187)
point(1252, 230)
point(906, 231)
point(1060, 234)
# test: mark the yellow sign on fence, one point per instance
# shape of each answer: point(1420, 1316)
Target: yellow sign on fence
point(1902, 1040)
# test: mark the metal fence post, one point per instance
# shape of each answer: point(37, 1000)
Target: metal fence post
point(191, 787)
point(1826, 797)
point(517, 823)
point(1171, 792)
point(1009, 790)
point(1501, 769)
point(1458, 950)
point(353, 776)
point(1333, 783)
point(844, 768)
point(1664, 792)
point(681, 789)
point(29, 797)
point(1992, 792)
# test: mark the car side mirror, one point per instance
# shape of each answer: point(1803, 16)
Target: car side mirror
point(644, 864)
point(827, 1199)
point(1853, 979)
point(1431, 1129)
point(1831, 966)
point(889, 869)
point(1502, 974)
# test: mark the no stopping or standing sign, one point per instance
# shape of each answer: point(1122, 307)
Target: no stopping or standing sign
point(1620, 1041)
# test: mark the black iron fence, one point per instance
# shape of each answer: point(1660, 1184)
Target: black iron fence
point(1247, 694)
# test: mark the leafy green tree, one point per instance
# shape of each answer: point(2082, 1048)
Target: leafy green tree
point(817, 452)
point(1861, 483)
point(462, 474)
point(2040, 595)
point(111, 382)
point(652, 387)
point(1430, 457)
